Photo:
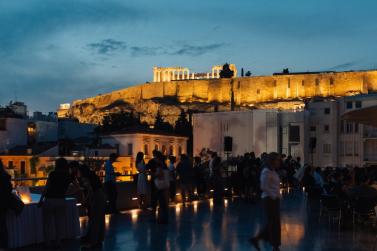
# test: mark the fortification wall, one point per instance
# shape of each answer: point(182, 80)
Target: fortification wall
point(246, 91)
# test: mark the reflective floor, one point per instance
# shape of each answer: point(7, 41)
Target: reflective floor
point(204, 226)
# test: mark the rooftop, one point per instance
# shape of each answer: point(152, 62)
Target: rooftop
point(203, 226)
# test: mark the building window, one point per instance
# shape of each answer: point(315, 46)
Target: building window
point(313, 128)
point(326, 128)
point(146, 150)
point(275, 83)
point(171, 150)
point(23, 168)
point(289, 83)
point(358, 104)
point(3, 125)
point(326, 148)
point(180, 150)
point(258, 91)
point(156, 147)
point(10, 164)
point(331, 81)
point(327, 110)
point(349, 127)
point(349, 105)
point(96, 153)
point(130, 149)
point(303, 83)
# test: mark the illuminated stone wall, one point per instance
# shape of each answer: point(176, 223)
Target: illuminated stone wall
point(203, 95)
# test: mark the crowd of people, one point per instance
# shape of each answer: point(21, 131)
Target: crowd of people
point(204, 176)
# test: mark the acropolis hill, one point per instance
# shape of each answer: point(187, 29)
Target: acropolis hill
point(170, 95)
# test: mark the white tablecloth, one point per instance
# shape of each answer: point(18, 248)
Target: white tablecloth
point(27, 228)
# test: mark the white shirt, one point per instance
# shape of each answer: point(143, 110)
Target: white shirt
point(270, 183)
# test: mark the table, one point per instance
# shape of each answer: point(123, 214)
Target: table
point(27, 228)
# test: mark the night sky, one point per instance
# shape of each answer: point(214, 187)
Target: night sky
point(53, 52)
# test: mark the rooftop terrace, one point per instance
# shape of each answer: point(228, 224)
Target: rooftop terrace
point(205, 226)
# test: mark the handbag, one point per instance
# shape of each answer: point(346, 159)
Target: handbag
point(16, 204)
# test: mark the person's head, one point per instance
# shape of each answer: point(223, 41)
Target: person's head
point(139, 157)
point(183, 157)
point(172, 159)
point(273, 160)
point(154, 153)
point(61, 165)
point(213, 155)
point(113, 157)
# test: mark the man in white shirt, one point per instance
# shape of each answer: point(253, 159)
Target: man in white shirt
point(270, 186)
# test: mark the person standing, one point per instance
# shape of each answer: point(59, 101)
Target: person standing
point(152, 167)
point(173, 182)
point(270, 186)
point(53, 203)
point(110, 184)
point(184, 172)
point(5, 194)
point(95, 202)
point(162, 182)
point(142, 182)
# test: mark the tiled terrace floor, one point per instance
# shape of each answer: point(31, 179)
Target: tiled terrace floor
point(203, 226)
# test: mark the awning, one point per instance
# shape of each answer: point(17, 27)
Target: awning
point(366, 116)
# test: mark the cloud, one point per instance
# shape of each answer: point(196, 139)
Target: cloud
point(194, 50)
point(107, 46)
point(146, 51)
point(181, 50)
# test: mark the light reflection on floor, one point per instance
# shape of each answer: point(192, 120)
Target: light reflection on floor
point(207, 226)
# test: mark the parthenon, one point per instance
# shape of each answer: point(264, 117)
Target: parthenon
point(167, 74)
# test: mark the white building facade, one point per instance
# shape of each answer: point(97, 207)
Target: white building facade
point(128, 144)
point(318, 134)
point(255, 131)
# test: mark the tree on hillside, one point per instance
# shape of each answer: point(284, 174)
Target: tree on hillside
point(160, 124)
point(248, 74)
point(226, 72)
point(183, 125)
point(118, 121)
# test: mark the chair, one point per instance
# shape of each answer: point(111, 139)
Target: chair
point(332, 206)
point(362, 207)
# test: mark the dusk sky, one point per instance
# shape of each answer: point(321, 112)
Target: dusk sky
point(53, 52)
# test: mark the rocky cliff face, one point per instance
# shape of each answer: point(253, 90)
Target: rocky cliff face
point(278, 91)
